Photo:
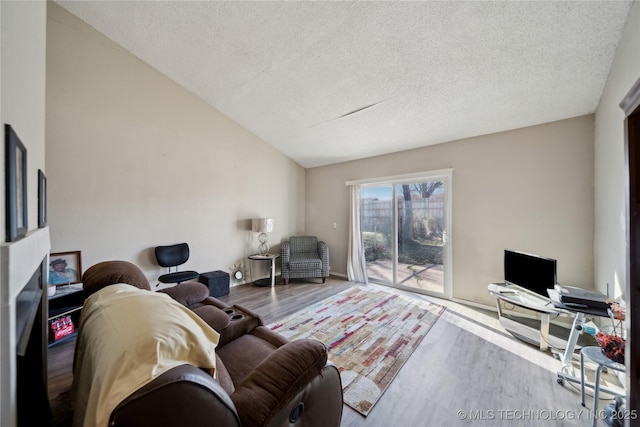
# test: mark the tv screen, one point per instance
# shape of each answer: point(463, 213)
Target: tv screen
point(531, 272)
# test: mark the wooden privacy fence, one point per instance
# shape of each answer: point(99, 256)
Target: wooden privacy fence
point(377, 215)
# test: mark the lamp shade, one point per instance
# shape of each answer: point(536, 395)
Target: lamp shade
point(262, 225)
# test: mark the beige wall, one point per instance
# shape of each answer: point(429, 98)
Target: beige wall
point(529, 189)
point(22, 90)
point(610, 244)
point(136, 161)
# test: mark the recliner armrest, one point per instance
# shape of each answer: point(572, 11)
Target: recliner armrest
point(187, 293)
point(277, 380)
point(214, 302)
point(184, 395)
point(213, 316)
point(242, 321)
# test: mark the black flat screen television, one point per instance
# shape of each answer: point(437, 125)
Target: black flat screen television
point(531, 272)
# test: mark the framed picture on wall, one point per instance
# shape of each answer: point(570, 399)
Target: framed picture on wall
point(65, 268)
point(16, 185)
point(42, 199)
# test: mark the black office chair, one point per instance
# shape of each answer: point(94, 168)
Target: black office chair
point(173, 256)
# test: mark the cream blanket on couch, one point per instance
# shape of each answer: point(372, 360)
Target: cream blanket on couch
point(128, 337)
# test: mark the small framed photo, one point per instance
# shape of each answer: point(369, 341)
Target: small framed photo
point(16, 185)
point(42, 199)
point(65, 268)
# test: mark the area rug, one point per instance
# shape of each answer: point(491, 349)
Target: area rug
point(370, 334)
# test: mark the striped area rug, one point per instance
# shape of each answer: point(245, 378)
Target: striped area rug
point(370, 333)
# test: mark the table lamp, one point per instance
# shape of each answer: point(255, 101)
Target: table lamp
point(262, 226)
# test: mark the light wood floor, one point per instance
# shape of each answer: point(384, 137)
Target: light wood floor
point(467, 367)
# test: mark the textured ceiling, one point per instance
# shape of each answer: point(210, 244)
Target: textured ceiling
point(330, 81)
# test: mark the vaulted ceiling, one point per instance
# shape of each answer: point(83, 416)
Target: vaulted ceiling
point(332, 81)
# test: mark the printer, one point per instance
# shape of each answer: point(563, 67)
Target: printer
point(573, 297)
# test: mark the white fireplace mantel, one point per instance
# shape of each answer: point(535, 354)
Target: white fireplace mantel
point(18, 261)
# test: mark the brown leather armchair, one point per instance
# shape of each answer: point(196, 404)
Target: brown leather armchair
point(262, 378)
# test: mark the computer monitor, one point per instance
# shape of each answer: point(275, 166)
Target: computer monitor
point(532, 272)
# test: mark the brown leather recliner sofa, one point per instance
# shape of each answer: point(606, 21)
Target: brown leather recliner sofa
point(262, 378)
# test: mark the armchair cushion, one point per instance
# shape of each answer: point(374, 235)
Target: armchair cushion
point(304, 244)
point(305, 261)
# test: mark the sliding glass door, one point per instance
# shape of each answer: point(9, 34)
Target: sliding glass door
point(377, 224)
point(405, 228)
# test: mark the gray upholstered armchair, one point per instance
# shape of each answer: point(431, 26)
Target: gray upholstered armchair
point(304, 257)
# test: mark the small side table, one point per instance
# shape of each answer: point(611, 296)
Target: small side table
point(595, 354)
point(67, 301)
point(268, 257)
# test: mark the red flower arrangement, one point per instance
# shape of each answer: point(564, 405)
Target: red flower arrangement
point(612, 345)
